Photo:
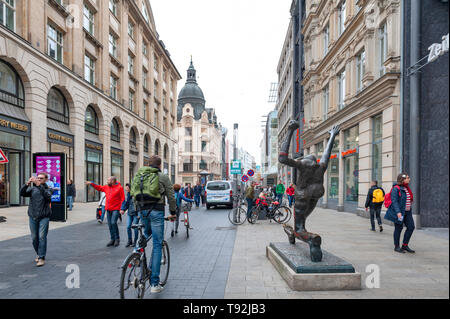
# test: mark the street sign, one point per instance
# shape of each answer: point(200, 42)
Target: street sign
point(250, 172)
point(3, 158)
point(244, 178)
point(235, 167)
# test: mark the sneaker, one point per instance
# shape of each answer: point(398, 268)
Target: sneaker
point(156, 289)
point(40, 263)
point(399, 250)
point(37, 259)
point(111, 243)
point(381, 228)
point(372, 229)
point(409, 250)
point(172, 233)
point(130, 243)
point(116, 242)
point(99, 221)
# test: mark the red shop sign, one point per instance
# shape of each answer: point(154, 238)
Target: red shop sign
point(349, 152)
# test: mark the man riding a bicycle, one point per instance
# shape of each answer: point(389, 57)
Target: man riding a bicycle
point(154, 222)
point(179, 197)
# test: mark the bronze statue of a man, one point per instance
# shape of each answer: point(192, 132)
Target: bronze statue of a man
point(309, 188)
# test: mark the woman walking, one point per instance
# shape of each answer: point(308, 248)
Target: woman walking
point(400, 212)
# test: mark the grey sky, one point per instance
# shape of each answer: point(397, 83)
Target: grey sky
point(235, 46)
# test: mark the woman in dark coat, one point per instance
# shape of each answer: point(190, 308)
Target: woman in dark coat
point(400, 212)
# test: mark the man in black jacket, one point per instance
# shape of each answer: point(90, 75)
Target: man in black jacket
point(71, 193)
point(39, 212)
point(375, 208)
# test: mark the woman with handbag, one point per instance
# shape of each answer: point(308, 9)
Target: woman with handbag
point(400, 212)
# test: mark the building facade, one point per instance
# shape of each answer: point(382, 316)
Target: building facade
point(200, 137)
point(269, 158)
point(425, 108)
point(88, 78)
point(352, 79)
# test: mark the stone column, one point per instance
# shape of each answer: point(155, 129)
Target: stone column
point(79, 161)
point(106, 143)
point(371, 57)
point(365, 159)
point(340, 206)
point(126, 152)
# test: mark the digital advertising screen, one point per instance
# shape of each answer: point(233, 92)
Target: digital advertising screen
point(52, 166)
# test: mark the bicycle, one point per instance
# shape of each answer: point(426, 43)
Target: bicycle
point(186, 207)
point(238, 215)
point(136, 264)
point(275, 211)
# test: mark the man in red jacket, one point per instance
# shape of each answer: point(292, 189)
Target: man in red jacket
point(114, 198)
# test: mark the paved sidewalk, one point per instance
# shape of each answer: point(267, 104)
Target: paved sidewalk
point(424, 274)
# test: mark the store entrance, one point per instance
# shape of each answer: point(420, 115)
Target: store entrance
point(10, 179)
point(94, 174)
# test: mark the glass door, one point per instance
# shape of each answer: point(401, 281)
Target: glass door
point(14, 177)
point(3, 185)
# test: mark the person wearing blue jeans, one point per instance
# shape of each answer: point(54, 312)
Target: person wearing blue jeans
point(197, 194)
point(39, 212)
point(132, 218)
point(112, 217)
point(154, 221)
point(102, 204)
point(71, 193)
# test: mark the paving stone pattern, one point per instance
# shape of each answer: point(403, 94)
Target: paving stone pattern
point(199, 265)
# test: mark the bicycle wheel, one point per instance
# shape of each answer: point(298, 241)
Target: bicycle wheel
point(238, 216)
point(254, 216)
point(130, 280)
point(282, 215)
point(165, 264)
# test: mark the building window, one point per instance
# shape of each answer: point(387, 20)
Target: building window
point(157, 147)
point(57, 108)
point(164, 124)
point(377, 141)
point(188, 146)
point(89, 69)
point(131, 29)
point(156, 118)
point(144, 48)
point(203, 146)
point(113, 6)
point(113, 87)
point(188, 165)
point(11, 86)
point(382, 39)
point(131, 101)
point(144, 79)
point(88, 20)
point(130, 64)
point(341, 18)
point(91, 121)
point(203, 165)
point(155, 89)
point(115, 131)
point(145, 111)
point(146, 144)
point(326, 39)
point(326, 93)
point(188, 131)
point(112, 45)
point(341, 90)
point(145, 12)
point(351, 165)
point(132, 139)
point(8, 14)
point(360, 69)
point(55, 44)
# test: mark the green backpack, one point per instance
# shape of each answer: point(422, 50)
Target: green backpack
point(145, 188)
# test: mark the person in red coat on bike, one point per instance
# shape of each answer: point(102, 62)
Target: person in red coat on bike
point(115, 196)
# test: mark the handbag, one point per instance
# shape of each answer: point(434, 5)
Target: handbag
point(98, 213)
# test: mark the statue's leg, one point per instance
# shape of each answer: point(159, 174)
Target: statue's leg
point(314, 239)
point(300, 210)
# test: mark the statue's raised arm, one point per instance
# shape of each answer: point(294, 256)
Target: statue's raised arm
point(284, 151)
point(326, 155)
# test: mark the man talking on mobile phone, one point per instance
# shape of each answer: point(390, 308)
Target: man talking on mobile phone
point(39, 212)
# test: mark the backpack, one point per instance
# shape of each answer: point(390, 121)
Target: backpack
point(377, 196)
point(388, 199)
point(145, 188)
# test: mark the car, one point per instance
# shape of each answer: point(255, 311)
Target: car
point(219, 193)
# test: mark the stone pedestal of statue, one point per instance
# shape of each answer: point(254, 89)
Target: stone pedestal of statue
point(294, 264)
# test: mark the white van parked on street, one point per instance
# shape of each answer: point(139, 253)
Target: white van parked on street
point(219, 193)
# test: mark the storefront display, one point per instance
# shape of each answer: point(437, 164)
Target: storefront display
point(351, 164)
point(333, 171)
point(94, 169)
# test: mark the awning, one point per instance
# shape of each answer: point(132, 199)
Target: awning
point(58, 126)
point(13, 111)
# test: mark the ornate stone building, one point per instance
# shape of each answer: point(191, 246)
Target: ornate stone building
point(200, 137)
point(352, 78)
point(89, 78)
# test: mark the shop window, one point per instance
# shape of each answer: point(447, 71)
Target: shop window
point(11, 86)
point(351, 164)
point(91, 121)
point(57, 108)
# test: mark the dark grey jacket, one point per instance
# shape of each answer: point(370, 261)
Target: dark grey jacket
point(40, 199)
point(71, 191)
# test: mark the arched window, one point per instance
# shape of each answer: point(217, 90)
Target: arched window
point(166, 153)
point(146, 144)
point(132, 139)
point(57, 108)
point(91, 121)
point(115, 131)
point(11, 86)
point(157, 148)
point(203, 165)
